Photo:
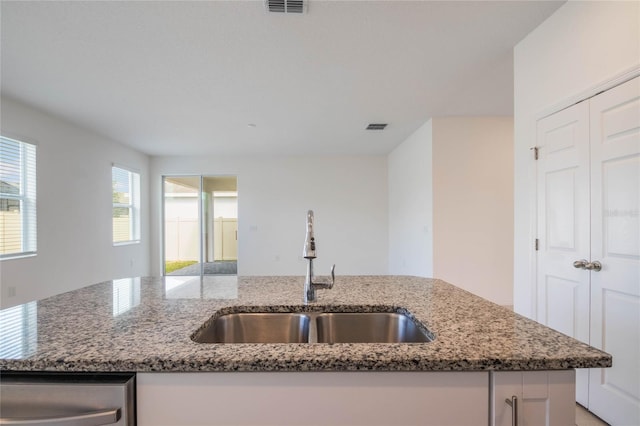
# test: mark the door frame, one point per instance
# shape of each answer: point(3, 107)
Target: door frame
point(201, 216)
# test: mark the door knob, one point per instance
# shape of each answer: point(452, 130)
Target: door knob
point(593, 266)
point(589, 266)
point(581, 264)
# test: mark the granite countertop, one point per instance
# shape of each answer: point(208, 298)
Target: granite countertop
point(145, 324)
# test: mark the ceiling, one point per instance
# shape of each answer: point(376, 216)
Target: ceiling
point(228, 78)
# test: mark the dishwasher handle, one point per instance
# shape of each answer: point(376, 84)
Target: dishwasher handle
point(90, 418)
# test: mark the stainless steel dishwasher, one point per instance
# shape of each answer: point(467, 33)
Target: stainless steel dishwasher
point(74, 399)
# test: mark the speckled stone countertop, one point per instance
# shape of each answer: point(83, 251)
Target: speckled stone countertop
point(145, 324)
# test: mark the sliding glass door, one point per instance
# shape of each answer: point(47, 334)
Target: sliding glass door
point(200, 225)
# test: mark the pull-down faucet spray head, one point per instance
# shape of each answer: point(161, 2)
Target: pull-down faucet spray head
point(309, 250)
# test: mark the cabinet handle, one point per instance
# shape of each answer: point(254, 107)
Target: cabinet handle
point(513, 403)
point(94, 418)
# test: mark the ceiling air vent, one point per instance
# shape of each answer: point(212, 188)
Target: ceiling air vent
point(284, 6)
point(376, 126)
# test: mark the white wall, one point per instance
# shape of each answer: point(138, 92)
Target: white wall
point(74, 209)
point(473, 204)
point(411, 205)
point(451, 204)
point(348, 195)
point(580, 47)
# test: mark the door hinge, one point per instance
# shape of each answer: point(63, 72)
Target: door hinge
point(535, 150)
point(537, 244)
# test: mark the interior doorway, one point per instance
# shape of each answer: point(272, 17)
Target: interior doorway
point(200, 215)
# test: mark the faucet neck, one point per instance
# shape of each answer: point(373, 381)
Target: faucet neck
point(309, 251)
point(309, 288)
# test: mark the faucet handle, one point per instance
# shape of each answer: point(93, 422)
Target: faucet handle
point(333, 275)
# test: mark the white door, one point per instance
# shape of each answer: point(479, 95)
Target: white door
point(615, 235)
point(563, 226)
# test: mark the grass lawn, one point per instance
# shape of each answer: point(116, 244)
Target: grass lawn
point(174, 265)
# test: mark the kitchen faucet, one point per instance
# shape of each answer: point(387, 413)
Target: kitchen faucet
point(309, 252)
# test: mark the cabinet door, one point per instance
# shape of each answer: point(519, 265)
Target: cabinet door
point(614, 393)
point(563, 226)
point(543, 397)
point(313, 398)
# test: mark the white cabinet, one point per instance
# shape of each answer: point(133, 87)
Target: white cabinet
point(588, 263)
point(313, 398)
point(355, 398)
point(542, 398)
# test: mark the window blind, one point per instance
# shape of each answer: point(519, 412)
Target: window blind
point(126, 205)
point(18, 331)
point(126, 295)
point(18, 220)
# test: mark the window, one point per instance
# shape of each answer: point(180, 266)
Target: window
point(17, 198)
point(126, 205)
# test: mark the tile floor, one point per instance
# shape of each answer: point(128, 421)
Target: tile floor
point(585, 418)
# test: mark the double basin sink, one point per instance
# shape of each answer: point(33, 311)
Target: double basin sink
point(312, 327)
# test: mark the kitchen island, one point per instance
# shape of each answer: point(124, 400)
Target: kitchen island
point(144, 325)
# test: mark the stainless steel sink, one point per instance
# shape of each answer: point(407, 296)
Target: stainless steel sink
point(370, 327)
point(256, 328)
point(312, 327)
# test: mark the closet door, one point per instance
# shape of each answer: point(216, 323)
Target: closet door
point(563, 226)
point(615, 236)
